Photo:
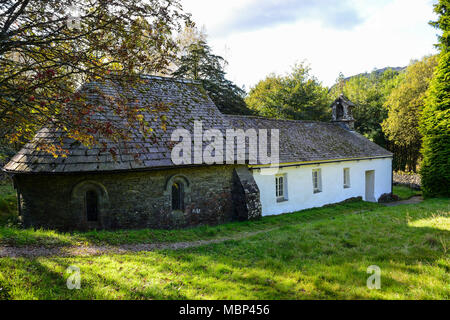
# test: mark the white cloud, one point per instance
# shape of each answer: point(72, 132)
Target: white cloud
point(258, 14)
point(390, 33)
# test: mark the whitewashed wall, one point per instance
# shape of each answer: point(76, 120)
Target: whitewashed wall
point(300, 189)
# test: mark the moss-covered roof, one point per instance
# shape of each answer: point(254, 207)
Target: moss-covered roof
point(185, 102)
point(311, 140)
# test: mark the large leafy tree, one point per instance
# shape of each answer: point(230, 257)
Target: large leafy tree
point(404, 104)
point(369, 93)
point(197, 62)
point(435, 120)
point(48, 48)
point(298, 95)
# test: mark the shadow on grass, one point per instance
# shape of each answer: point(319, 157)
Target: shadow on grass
point(323, 258)
point(292, 263)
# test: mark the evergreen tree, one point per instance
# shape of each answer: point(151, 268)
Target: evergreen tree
point(198, 63)
point(435, 120)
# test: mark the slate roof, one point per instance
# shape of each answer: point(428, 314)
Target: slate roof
point(313, 141)
point(188, 102)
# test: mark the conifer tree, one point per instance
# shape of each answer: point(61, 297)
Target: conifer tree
point(435, 119)
point(198, 63)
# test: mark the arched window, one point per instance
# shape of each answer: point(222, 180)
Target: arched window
point(91, 200)
point(178, 196)
point(178, 193)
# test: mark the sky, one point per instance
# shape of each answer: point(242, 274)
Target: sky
point(259, 37)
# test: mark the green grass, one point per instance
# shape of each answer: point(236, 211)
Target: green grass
point(315, 254)
point(16, 236)
point(405, 193)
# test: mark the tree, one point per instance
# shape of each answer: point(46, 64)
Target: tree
point(197, 62)
point(404, 104)
point(435, 118)
point(298, 95)
point(368, 92)
point(48, 48)
point(340, 83)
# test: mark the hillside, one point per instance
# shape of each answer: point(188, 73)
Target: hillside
point(376, 72)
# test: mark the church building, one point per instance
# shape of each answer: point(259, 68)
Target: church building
point(141, 187)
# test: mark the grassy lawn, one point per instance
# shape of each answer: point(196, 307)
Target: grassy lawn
point(405, 193)
point(314, 254)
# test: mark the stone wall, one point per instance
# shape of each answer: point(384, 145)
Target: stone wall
point(409, 179)
point(246, 195)
point(128, 200)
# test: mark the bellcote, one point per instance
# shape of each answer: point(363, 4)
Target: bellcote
point(342, 112)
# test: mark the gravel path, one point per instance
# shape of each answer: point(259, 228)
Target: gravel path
point(412, 200)
point(93, 250)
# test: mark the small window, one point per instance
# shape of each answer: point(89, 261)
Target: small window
point(280, 187)
point(346, 177)
point(317, 180)
point(91, 206)
point(178, 196)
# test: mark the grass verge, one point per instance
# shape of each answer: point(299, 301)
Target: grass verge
point(405, 193)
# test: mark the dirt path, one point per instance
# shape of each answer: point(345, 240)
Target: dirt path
point(93, 250)
point(412, 200)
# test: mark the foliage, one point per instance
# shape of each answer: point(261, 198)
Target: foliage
point(7, 151)
point(8, 202)
point(48, 48)
point(435, 119)
point(404, 104)
point(322, 256)
point(368, 92)
point(297, 95)
point(197, 62)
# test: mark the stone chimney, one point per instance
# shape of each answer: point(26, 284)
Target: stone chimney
point(343, 113)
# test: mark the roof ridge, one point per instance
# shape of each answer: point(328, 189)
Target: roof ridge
point(168, 78)
point(273, 119)
point(149, 77)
